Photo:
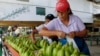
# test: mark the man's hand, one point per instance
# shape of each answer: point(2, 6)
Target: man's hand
point(71, 34)
point(60, 34)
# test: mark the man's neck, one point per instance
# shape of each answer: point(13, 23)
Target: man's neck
point(65, 21)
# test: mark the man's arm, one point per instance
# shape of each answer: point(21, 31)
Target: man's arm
point(36, 30)
point(82, 29)
point(33, 35)
point(46, 32)
point(82, 33)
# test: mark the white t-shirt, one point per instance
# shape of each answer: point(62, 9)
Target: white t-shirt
point(44, 37)
point(17, 31)
point(40, 27)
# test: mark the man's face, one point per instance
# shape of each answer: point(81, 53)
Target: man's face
point(63, 15)
point(47, 21)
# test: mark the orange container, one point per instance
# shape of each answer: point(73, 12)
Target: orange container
point(11, 49)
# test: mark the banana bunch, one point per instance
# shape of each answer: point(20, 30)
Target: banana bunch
point(23, 45)
point(26, 47)
point(57, 49)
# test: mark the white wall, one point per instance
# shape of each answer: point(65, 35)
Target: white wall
point(50, 3)
point(15, 1)
point(81, 8)
point(28, 14)
point(96, 9)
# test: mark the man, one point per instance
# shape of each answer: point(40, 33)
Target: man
point(67, 24)
point(48, 18)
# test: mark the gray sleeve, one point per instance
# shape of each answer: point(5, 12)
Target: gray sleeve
point(39, 27)
point(50, 25)
point(80, 24)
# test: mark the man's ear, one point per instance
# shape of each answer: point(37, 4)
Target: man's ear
point(68, 11)
point(56, 13)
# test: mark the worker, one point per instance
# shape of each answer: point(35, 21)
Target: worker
point(67, 24)
point(48, 18)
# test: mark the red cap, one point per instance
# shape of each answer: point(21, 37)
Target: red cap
point(62, 5)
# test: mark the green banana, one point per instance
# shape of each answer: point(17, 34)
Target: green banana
point(53, 44)
point(55, 51)
point(41, 43)
point(61, 52)
point(75, 52)
point(49, 50)
point(59, 45)
point(71, 47)
point(67, 53)
point(40, 53)
point(38, 42)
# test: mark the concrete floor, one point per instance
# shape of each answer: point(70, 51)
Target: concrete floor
point(94, 49)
